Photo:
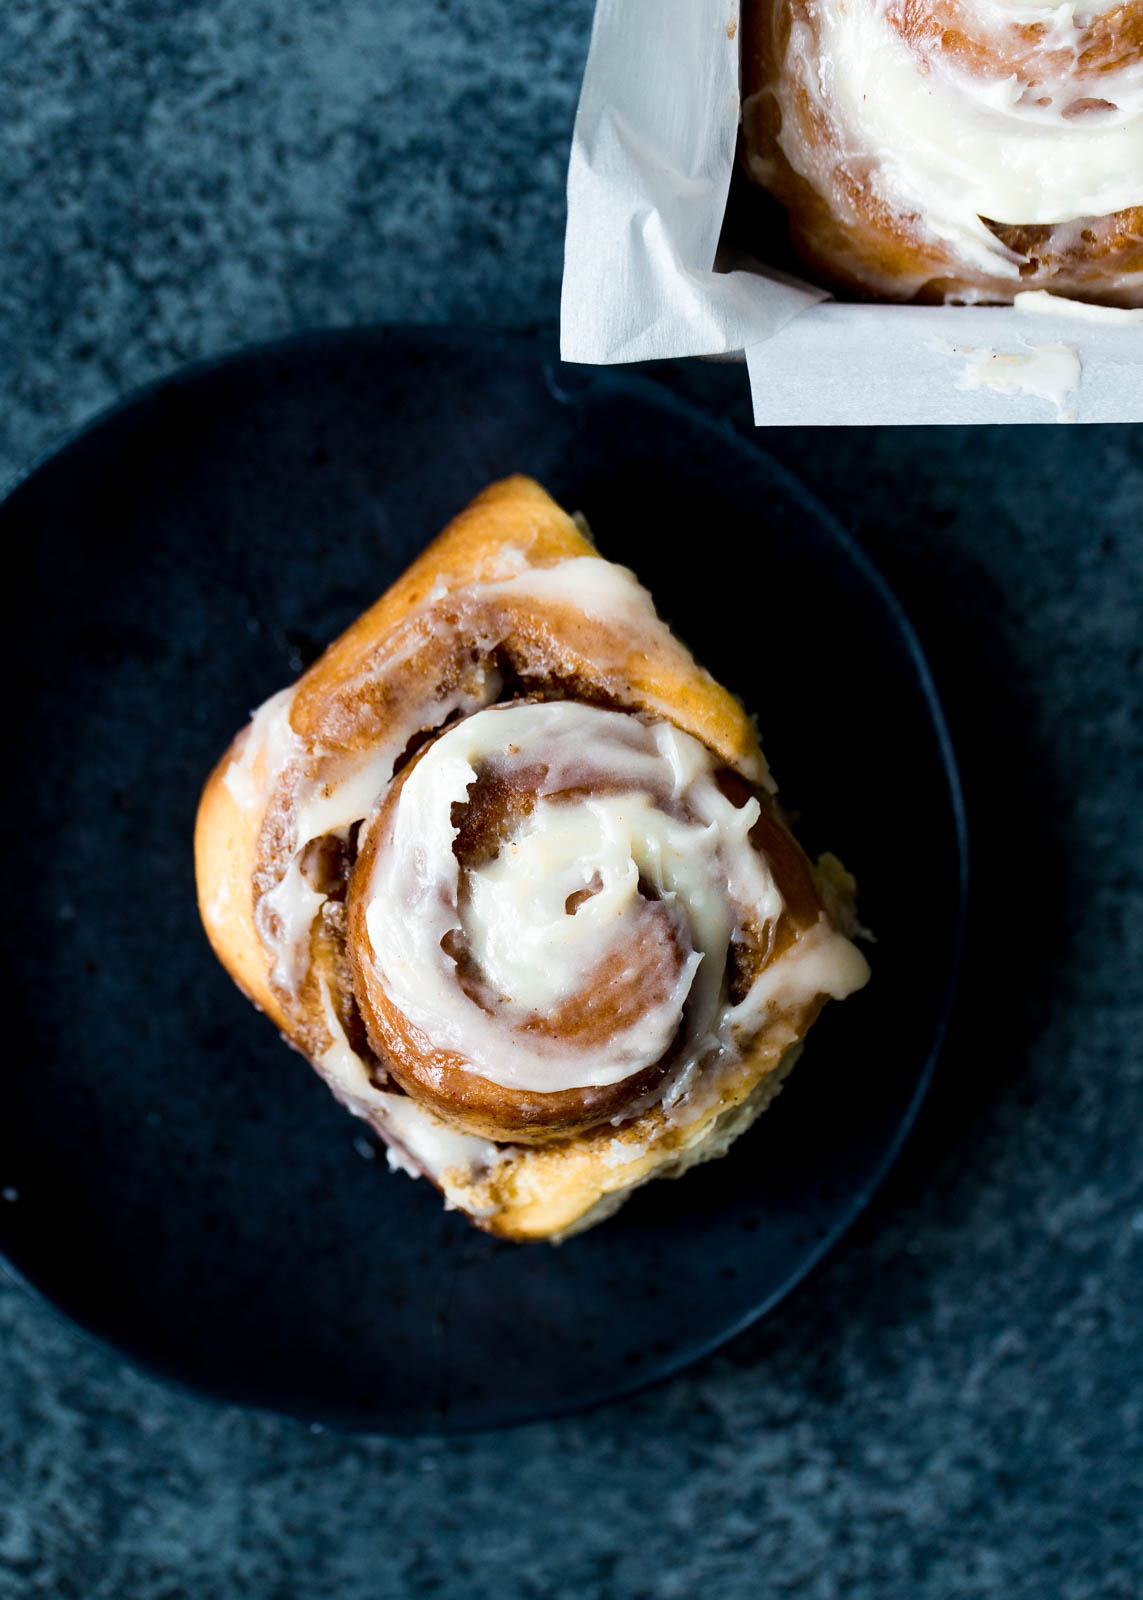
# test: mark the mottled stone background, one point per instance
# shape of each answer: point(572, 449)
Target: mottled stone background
point(952, 1405)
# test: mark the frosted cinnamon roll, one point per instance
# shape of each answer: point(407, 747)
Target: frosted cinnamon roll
point(952, 150)
point(506, 865)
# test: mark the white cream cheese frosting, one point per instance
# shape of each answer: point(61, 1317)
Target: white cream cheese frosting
point(624, 807)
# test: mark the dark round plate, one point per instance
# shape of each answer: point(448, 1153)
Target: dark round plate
point(177, 1180)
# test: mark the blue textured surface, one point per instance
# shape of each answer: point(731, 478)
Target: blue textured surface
point(952, 1406)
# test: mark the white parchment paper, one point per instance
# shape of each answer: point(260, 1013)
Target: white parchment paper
point(648, 179)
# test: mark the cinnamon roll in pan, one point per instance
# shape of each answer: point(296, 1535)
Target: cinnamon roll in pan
point(507, 867)
point(954, 151)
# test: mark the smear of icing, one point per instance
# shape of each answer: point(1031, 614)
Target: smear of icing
point(418, 1141)
point(1049, 372)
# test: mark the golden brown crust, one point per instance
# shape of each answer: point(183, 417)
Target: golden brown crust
point(339, 710)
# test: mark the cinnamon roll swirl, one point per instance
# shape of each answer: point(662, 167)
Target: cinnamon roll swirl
point(506, 865)
point(952, 150)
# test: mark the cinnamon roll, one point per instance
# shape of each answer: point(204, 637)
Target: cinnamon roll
point(506, 865)
point(952, 150)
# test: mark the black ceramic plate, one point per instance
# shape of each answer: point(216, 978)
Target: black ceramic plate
point(177, 1180)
